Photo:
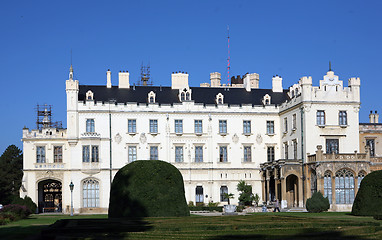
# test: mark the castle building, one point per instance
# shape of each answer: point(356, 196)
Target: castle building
point(285, 143)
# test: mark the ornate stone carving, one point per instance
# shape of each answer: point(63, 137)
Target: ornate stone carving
point(118, 138)
point(235, 138)
point(143, 138)
point(259, 139)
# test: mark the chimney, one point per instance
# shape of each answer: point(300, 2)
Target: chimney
point(247, 83)
point(108, 77)
point(277, 84)
point(179, 80)
point(215, 78)
point(254, 80)
point(124, 79)
point(371, 117)
point(376, 117)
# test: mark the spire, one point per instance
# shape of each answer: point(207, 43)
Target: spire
point(71, 72)
point(330, 67)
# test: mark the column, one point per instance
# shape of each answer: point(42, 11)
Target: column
point(333, 191)
point(355, 186)
point(283, 193)
point(263, 189)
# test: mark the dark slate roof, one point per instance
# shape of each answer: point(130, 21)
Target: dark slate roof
point(166, 95)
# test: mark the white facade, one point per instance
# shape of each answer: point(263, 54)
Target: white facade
point(102, 136)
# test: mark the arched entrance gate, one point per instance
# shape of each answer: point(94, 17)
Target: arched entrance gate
point(49, 196)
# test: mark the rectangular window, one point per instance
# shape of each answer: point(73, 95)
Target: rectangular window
point(295, 149)
point(285, 124)
point(320, 118)
point(198, 154)
point(132, 126)
point(86, 153)
point(286, 151)
point(153, 153)
point(40, 154)
point(246, 127)
point(222, 126)
point(95, 154)
point(247, 154)
point(342, 118)
point(178, 154)
point(270, 127)
point(271, 154)
point(294, 121)
point(90, 125)
point(57, 154)
point(371, 144)
point(132, 153)
point(223, 194)
point(198, 126)
point(332, 146)
point(199, 197)
point(223, 154)
point(178, 126)
point(153, 126)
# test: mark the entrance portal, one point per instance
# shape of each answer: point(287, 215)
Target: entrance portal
point(49, 196)
point(292, 193)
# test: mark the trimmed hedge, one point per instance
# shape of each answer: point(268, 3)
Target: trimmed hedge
point(147, 188)
point(26, 201)
point(203, 208)
point(317, 203)
point(368, 201)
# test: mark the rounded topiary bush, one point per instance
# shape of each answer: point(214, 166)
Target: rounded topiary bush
point(317, 203)
point(147, 188)
point(368, 201)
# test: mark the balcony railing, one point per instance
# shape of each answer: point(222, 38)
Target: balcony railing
point(338, 157)
point(91, 135)
point(49, 165)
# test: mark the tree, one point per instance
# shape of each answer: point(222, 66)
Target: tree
point(246, 196)
point(228, 196)
point(11, 173)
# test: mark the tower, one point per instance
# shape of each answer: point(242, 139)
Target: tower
point(72, 89)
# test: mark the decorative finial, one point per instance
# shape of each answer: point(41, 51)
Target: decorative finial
point(330, 66)
point(71, 72)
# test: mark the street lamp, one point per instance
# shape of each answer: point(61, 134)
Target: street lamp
point(71, 186)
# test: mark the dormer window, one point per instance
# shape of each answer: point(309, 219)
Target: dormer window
point(219, 99)
point(151, 97)
point(267, 100)
point(185, 95)
point(89, 95)
point(296, 91)
point(292, 94)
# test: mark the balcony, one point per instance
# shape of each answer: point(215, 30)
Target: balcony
point(91, 167)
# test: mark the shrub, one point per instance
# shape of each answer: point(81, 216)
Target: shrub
point(148, 188)
point(210, 209)
point(256, 199)
point(245, 196)
point(377, 217)
point(317, 203)
point(18, 211)
point(368, 201)
point(26, 201)
point(213, 204)
point(191, 204)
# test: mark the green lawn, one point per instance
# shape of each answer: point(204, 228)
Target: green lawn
point(256, 226)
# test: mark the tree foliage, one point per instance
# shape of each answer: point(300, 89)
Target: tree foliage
point(11, 173)
point(245, 196)
point(317, 203)
point(147, 188)
point(368, 201)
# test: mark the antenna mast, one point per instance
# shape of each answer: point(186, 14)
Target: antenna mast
point(228, 59)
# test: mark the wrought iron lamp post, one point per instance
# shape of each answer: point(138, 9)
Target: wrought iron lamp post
point(71, 186)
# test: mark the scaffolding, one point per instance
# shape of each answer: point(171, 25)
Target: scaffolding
point(145, 76)
point(44, 117)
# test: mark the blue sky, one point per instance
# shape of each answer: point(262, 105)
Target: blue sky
point(288, 38)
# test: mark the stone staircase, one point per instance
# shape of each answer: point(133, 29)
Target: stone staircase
point(296, 209)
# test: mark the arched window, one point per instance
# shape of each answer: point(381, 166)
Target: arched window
point(313, 182)
point(90, 193)
point(296, 91)
point(344, 187)
point(328, 186)
point(267, 99)
point(188, 96)
point(199, 195)
point(361, 175)
point(267, 102)
point(223, 190)
point(151, 97)
point(219, 98)
point(292, 93)
point(182, 96)
point(89, 95)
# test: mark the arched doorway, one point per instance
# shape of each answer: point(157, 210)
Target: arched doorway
point(292, 194)
point(49, 196)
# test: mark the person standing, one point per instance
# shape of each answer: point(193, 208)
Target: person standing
point(277, 206)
